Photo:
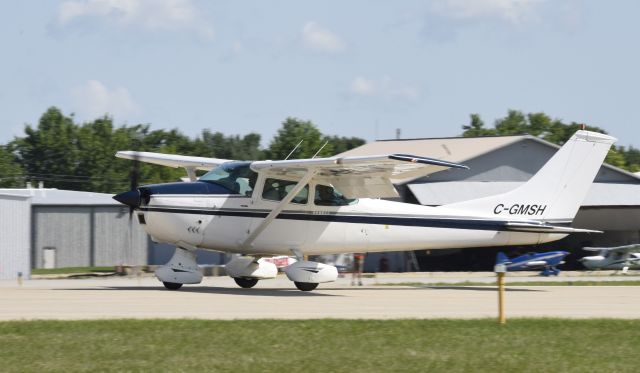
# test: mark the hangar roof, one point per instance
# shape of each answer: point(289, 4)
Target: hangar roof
point(453, 149)
point(61, 197)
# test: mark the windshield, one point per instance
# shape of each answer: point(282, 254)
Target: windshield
point(235, 176)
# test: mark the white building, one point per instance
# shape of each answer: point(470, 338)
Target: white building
point(15, 228)
point(51, 228)
point(61, 228)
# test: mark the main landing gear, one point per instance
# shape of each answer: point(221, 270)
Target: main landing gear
point(306, 286)
point(172, 285)
point(181, 269)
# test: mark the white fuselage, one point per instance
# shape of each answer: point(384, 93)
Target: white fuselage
point(223, 223)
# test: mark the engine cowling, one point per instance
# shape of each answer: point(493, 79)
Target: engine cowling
point(312, 272)
point(247, 267)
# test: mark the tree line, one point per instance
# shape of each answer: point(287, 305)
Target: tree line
point(80, 156)
point(549, 129)
point(65, 154)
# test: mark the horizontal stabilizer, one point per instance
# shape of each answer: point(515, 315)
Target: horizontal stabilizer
point(544, 228)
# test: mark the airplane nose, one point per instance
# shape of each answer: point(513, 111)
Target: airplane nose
point(130, 198)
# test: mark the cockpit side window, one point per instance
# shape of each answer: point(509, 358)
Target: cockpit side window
point(235, 176)
point(326, 195)
point(277, 189)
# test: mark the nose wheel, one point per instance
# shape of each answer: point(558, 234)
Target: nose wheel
point(246, 283)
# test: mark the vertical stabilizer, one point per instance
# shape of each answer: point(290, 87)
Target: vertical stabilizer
point(556, 191)
point(501, 258)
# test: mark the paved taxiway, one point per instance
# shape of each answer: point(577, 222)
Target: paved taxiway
point(220, 298)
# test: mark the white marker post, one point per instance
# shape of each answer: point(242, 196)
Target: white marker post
point(500, 270)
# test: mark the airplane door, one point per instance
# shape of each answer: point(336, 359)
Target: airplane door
point(286, 232)
point(228, 225)
point(283, 233)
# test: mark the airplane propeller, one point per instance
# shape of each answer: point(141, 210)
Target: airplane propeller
point(134, 178)
point(132, 197)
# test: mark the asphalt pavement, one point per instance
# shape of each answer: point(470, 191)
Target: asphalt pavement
point(221, 298)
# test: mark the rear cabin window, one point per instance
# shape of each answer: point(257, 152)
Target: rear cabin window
point(277, 189)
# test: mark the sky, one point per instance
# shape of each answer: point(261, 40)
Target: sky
point(354, 68)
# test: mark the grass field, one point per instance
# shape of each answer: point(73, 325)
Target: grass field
point(523, 345)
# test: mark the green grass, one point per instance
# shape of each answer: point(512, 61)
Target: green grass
point(523, 345)
point(516, 283)
point(71, 270)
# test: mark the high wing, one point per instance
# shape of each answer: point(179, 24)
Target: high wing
point(173, 160)
point(190, 163)
point(624, 249)
point(358, 177)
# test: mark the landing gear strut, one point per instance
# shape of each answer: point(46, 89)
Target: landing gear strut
point(306, 286)
point(181, 269)
point(246, 283)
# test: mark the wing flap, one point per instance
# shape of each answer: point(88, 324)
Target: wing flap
point(369, 176)
point(364, 187)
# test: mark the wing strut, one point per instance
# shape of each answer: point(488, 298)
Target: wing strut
point(191, 172)
point(278, 209)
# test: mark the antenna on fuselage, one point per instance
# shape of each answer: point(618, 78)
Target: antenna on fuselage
point(319, 150)
point(294, 149)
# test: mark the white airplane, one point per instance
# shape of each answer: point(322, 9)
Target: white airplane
point(618, 258)
point(331, 205)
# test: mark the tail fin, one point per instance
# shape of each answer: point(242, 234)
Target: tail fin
point(555, 193)
point(501, 258)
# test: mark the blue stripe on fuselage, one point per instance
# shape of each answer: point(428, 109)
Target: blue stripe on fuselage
point(321, 216)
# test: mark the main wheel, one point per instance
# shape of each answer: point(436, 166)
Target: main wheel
point(306, 286)
point(246, 282)
point(172, 285)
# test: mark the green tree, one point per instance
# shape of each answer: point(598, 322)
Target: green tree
point(11, 174)
point(515, 123)
point(476, 128)
point(217, 145)
point(632, 157)
point(293, 130)
point(555, 131)
point(50, 151)
point(342, 144)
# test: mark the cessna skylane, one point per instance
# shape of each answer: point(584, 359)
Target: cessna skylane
point(618, 258)
point(318, 206)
